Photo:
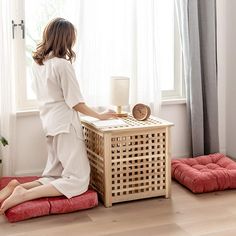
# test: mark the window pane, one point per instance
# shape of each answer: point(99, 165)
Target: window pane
point(165, 25)
point(37, 15)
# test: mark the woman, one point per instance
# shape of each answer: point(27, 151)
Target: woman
point(55, 84)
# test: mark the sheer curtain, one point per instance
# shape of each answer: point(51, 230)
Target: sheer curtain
point(7, 90)
point(118, 38)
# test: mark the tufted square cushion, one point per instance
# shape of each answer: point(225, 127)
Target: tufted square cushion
point(47, 206)
point(205, 173)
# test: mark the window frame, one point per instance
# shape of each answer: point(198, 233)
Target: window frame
point(19, 59)
point(23, 103)
point(179, 86)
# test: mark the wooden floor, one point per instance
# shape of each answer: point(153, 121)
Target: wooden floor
point(211, 214)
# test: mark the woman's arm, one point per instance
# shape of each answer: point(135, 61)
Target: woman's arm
point(84, 109)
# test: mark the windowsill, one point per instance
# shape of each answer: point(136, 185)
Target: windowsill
point(175, 101)
point(33, 112)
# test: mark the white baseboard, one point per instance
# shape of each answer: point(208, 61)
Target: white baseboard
point(180, 155)
point(28, 172)
point(185, 155)
point(39, 172)
point(0, 169)
point(223, 151)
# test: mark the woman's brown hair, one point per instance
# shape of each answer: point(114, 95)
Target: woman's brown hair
point(58, 39)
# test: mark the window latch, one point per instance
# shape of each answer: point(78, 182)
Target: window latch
point(22, 27)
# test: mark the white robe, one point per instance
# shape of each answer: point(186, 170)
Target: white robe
point(58, 91)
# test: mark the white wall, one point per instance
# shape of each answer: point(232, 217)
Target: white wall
point(230, 43)
point(31, 151)
point(227, 69)
point(221, 56)
point(180, 138)
point(31, 148)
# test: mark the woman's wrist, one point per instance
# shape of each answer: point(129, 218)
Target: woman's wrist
point(98, 116)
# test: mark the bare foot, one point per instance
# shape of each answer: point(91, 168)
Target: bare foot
point(17, 197)
point(7, 191)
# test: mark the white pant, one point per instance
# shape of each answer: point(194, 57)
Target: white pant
point(67, 167)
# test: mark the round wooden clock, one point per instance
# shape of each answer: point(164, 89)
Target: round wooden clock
point(141, 111)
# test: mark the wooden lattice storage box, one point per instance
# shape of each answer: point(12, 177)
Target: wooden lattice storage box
point(129, 162)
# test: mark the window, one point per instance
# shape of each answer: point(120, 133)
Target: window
point(35, 15)
point(174, 87)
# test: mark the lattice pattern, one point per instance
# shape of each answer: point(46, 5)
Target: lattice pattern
point(95, 151)
point(133, 123)
point(137, 123)
point(138, 163)
point(136, 159)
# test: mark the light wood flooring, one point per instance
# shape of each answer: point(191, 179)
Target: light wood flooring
point(209, 214)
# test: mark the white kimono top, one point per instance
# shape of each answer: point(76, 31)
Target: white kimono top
point(57, 91)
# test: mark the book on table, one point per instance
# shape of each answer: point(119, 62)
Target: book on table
point(104, 123)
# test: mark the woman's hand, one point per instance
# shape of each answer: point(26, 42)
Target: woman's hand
point(84, 109)
point(110, 114)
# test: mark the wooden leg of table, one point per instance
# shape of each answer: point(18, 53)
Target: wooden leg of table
point(107, 204)
point(168, 164)
point(107, 170)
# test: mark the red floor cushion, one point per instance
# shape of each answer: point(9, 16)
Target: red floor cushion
point(28, 210)
point(47, 206)
point(205, 173)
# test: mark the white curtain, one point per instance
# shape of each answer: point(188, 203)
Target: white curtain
point(118, 38)
point(7, 89)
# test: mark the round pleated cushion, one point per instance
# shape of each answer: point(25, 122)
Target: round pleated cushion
point(205, 173)
point(47, 206)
